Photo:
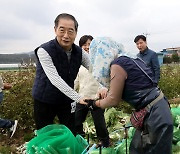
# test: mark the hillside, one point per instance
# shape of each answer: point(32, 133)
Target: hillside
point(17, 58)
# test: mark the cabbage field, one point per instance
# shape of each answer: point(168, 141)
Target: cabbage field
point(18, 104)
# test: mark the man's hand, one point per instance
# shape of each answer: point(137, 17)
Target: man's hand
point(7, 86)
point(102, 93)
point(82, 101)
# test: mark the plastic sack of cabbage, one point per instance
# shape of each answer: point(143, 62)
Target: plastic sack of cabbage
point(55, 139)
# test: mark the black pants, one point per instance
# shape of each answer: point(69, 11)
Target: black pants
point(98, 118)
point(156, 137)
point(44, 114)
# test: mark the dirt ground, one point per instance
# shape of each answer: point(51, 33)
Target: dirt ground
point(9, 145)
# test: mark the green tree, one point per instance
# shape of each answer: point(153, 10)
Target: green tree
point(175, 57)
point(167, 60)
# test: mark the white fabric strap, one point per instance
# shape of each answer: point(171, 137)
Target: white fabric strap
point(161, 95)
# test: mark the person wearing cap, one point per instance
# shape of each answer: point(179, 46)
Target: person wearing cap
point(128, 78)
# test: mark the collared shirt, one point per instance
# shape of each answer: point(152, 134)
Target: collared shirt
point(53, 76)
point(151, 59)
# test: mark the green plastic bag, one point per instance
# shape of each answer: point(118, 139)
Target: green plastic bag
point(55, 139)
point(121, 148)
point(175, 111)
point(175, 114)
point(176, 135)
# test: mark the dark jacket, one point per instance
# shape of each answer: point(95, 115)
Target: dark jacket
point(151, 59)
point(43, 90)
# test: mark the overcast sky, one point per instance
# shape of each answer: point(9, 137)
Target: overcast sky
point(25, 24)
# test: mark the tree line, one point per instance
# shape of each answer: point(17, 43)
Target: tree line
point(175, 58)
point(17, 58)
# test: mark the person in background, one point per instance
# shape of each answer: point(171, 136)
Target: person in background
point(148, 56)
point(58, 62)
point(87, 86)
point(6, 123)
point(131, 80)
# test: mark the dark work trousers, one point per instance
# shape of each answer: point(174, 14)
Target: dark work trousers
point(98, 118)
point(45, 114)
point(156, 136)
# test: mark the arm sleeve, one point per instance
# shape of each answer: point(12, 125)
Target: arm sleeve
point(76, 83)
point(1, 84)
point(118, 77)
point(53, 76)
point(85, 59)
point(156, 67)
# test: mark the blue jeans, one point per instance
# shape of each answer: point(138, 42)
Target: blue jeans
point(4, 123)
point(1, 97)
